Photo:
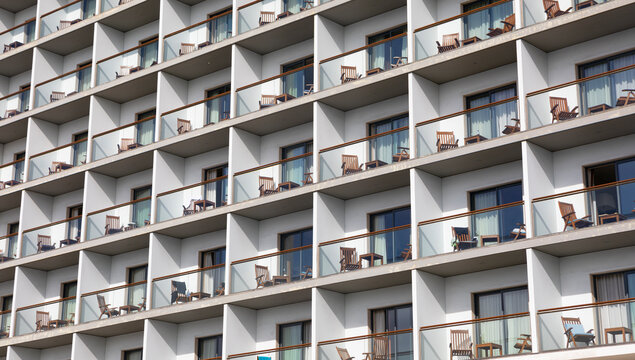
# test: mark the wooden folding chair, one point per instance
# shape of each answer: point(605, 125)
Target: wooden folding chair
point(570, 219)
point(348, 73)
point(266, 185)
point(266, 17)
point(44, 243)
point(267, 100)
point(57, 95)
point(42, 321)
point(446, 141)
point(460, 344)
point(112, 225)
point(450, 42)
point(125, 145)
point(105, 308)
point(349, 259)
point(552, 9)
point(350, 165)
point(508, 25)
point(183, 126)
point(186, 48)
point(560, 109)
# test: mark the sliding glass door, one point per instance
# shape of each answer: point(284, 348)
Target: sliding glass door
point(500, 222)
point(498, 303)
point(382, 56)
point(390, 244)
point(606, 89)
point(383, 148)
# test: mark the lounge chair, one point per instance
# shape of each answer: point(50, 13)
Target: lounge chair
point(381, 349)
point(112, 225)
point(64, 24)
point(462, 239)
point(57, 95)
point(186, 48)
point(266, 17)
point(574, 331)
point(402, 155)
point(508, 25)
point(519, 232)
point(348, 73)
point(104, 308)
point(406, 253)
point(44, 243)
point(178, 292)
point(400, 60)
point(445, 141)
point(524, 343)
point(262, 276)
point(510, 129)
point(628, 99)
point(560, 109)
point(42, 321)
point(183, 126)
point(349, 259)
point(460, 344)
point(190, 209)
point(267, 100)
point(350, 165)
point(220, 290)
point(123, 71)
point(552, 9)
point(343, 353)
point(266, 185)
point(307, 273)
point(450, 42)
point(570, 219)
point(308, 89)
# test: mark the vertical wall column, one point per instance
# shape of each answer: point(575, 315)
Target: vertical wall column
point(428, 294)
point(161, 262)
point(242, 242)
point(330, 221)
point(88, 347)
point(329, 130)
point(532, 76)
point(239, 333)
point(427, 203)
point(159, 340)
point(538, 175)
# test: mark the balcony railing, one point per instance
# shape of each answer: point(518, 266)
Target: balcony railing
point(114, 301)
point(258, 13)
point(600, 323)
point(51, 236)
point(468, 127)
point(385, 345)
point(127, 62)
point(267, 270)
point(57, 159)
point(62, 86)
point(464, 29)
point(197, 36)
point(597, 93)
point(111, 4)
point(364, 154)
point(365, 250)
point(188, 286)
point(45, 316)
point(8, 247)
point(194, 116)
point(123, 138)
point(11, 174)
point(535, 12)
point(191, 199)
point(275, 90)
point(18, 35)
point(493, 225)
point(367, 60)
point(118, 218)
point(592, 206)
point(14, 103)
point(272, 178)
point(63, 17)
point(487, 337)
point(295, 352)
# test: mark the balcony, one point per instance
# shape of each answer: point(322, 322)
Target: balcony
point(488, 337)
point(261, 12)
point(603, 204)
point(282, 267)
point(123, 138)
point(386, 345)
point(115, 301)
point(535, 12)
point(194, 116)
point(127, 62)
point(288, 174)
point(11, 174)
point(8, 247)
point(192, 199)
point(367, 60)
point(365, 250)
point(63, 17)
point(593, 94)
point(18, 35)
point(109, 221)
point(58, 159)
point(51, 236)
point(473, 125)
point(197, 36)
point(14, 103)
point(300, 352)
point(65, 85)
point(45, 316)
point(485, 227)
point(275, 90)
point(188, 286)
point(364, 154)
point(111, 4)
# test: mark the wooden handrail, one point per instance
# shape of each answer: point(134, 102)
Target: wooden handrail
point(5, 312)
point(58, 148)
point(248, 4)
point(15, 93)
point(188, 272)
point(8, 236)
point(53, 224)
point(586, 189)
point(466, 111)
point(17, 26)
point(46, 303)
point(360, 236)
point(363, 139)
point(123, 126)
point(274, 77)
point(361, 337)
point(198, 23)
point(595, 304)
point(274, 163)
point(114, 288)
point(60, 8)
point(461, 15)
point(474, 321)
point(192, 186)
point(473, 212)
point(120, 205)
point(65, 74)
point(214, 358)
point(269, 350)
point(128, 50)
point(196, 103)
point(625, 68)
point(278, 253)
point(363, 47)
point(11, 163)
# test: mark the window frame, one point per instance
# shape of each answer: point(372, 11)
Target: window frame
point(197, 340)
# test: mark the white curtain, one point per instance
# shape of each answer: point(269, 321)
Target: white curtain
point(208, 348)
point(291, 335)
point(293, 6)
point(596, 91)
point(379, 241)
point(502, 113)
point(623, 79)
point(207, 276)
point(490, 331)
point(611, 287)
point(149, 54)
point(220, 28)
point(480, 121)
point(145, 132)
point(485, 223)
point(381, 147)
point(377, 56)
point(476, 24)
point(516, 301)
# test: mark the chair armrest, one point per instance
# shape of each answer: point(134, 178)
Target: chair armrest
point(457, 141)
point(574, 109)
point(553, 108)
point(438, 142)
point(507, 23)
point(491, 29)
point(342, 76)
point(568, 331)
point(569, 9)
point(439, 45)
point(590, 331)
point(549, 8)
point(341, 260)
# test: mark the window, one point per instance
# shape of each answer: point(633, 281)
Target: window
point(7, 302)
point(216, 191)
point(293, 6)
point(392, 319)
point(292, 334)
point(74, 226)
point(209, 347)
point(382, 56)
point(478, 24)
point(18, 168)
point(141, 209)
point(489, 122)
point(296, 170)
point(212, 280)
point(88, 8)
point(83, 76)
point(497, 303)
point(383, 148)
point(69, 289)
point(616, 199)
point(149, 52)
point(217, 108)
point(29, 31)
point(297, 83)
point(390, 244)
point(220, 28)
point(79, 149)
point(499, 222)
point(136, 293)
point(12, 246)
point(606, 89)
point(24, 96)
point(145, 130)
point(296, 263)
point(615, 286)
point(136, 354)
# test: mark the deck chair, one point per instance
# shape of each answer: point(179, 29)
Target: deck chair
point(350, 165)
point(266, 185)
point(262, 276)
point(44, 243)
point(445, 141)
point(308, 178)
point(186, 48)
point(519, 232)
point(348, 73)
point(57, 95)
point(221, 289)
point(266, 17)
point(64, 24)
point(178, 292)
point(570, 219)
point(510, 129)
point(266, 101)
point(399, 61)
point(142, 304)
point(574, 331)
point(112, 225)
point(402, 155)
point(308, 89)
point(460, 344)
point(349, 259)
point(508, 25)
point(123, 71)
point(628, 99)
point(183, 126)
point(462, 239)
point(406, 253)
point(104, 308)
point(343, 353)
point(11, 112)
point(552, 9)
point(560, 109)
point(450, 42)
point(307, 273)
point(125, 145)
point(190, 209)
point(381, 349)
point(524, 343)
point(42, 320)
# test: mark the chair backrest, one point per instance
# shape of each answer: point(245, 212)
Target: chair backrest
point(348, 255)
point(267, 17)
point(349, 162)
point(179, 287)
point(510, 22)
point(343, 353)
point(101, 302)
point(125, 143)
point(112, 222)
point(124, 70)
point(558, 105)
point(43, 239)
point(183, 126)
point(187, 48)
point(349, 72)
point(450, 39)
point(381, 347)
point(42, 318)
point(460, 339)
point(570, 323)
point(57, 95)
point(64, 24)
point(445, 137)
point(266, 184)
point(553, 6)
point(262, 271)
point(267, 100)
point(461, 233)
point(567, 211)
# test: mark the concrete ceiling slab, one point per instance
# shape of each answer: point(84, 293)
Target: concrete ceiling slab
point(76, 37)
point(202, 62)
point(16, 61)
point(133, 15)
point(369, 182)
point(10, 201)
point(179, 229)
point(200, 144)
point(272, 120)
point(278, 205)
point(131, 87)
point(136, 161)
point(61, 182)
point(353, 11)
point(67, 109)
point(279, 34)
point(14, 5)
point(367, 91)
